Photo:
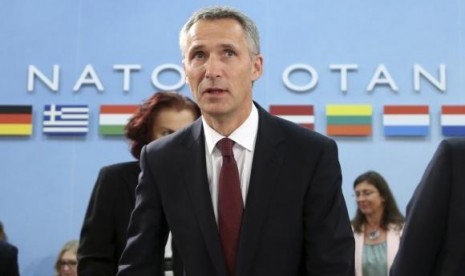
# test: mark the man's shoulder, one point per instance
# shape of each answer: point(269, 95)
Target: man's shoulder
point(181, 137)
point(457, 143)
point(287, 128)
point(123, 166)
point(294, 131)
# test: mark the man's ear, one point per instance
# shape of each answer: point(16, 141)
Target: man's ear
point(257, 68)
point(186, 80)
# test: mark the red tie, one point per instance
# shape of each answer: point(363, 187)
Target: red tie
point(230, 205)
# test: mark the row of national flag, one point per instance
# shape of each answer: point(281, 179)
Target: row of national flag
point(341, 120)
point(64, 120)
point(356, 120)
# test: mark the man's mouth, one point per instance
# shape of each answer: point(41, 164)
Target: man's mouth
point(214, 90)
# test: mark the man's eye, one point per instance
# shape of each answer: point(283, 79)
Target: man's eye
point(230, 53)
point(198, 55)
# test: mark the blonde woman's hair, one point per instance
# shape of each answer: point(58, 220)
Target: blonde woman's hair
point(72, 246)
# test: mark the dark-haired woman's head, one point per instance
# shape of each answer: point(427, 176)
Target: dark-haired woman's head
point(3, 236)
point(373, 195)
point(161, 114)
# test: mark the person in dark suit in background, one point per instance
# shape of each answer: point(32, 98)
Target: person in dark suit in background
point(280, 211)
point(433, 242)
point(8, 259)
point(103, 234)
point(8, 255)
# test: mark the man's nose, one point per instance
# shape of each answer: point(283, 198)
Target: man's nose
point(213, 68)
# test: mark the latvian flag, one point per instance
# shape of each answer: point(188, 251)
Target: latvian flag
point(16, 120)
point(349, 120)
point(406, 120)
point(69, 120)
point(453, 120)
point(113, 118)
point(302, 115)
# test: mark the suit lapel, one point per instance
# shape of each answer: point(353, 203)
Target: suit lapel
point(197, 185)
point(266, 166)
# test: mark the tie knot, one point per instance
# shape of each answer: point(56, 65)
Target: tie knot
point(225, 145)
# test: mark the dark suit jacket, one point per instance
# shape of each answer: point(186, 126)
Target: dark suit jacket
point(295, 219)
point(433, 241)
point(8, 259)
point(103, 234)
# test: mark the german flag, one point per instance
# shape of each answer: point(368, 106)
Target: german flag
point(15, 120)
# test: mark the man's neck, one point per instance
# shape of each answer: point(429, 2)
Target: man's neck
point(228, 123)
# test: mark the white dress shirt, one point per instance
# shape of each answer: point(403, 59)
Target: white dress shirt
point(244, 137)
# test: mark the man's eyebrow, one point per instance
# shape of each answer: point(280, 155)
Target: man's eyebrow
point(227, 45)
point(195, 48)
point(201, 46)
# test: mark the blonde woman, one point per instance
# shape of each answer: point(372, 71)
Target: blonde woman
point(66, 263)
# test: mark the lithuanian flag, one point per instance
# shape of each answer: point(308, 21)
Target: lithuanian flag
point(113, 118)
point(348, 120)
point(16, 120)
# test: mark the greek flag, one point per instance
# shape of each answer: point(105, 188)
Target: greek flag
point(70, 120)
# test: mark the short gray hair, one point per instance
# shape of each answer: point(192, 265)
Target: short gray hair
point(223, 12)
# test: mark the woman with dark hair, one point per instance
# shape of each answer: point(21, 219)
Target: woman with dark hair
point(377, 225)
point(103, 234)
point(3, 236)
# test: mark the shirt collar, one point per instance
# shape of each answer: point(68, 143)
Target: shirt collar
point(244, 135)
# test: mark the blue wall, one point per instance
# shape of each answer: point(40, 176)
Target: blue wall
point(46, 182)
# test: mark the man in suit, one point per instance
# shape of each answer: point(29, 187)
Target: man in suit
point(8, 259)
point(292, 219)
point(433, 241)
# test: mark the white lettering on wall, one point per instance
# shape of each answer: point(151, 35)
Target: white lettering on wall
point(33, 73)
point(300, 67)
point(419, 71)
point(126, 68)
point(168, 67)
point(89, 77)
point(343, 69)
point(382, 77)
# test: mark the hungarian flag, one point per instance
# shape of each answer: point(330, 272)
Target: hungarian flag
point(113, 118)
point(16, 120)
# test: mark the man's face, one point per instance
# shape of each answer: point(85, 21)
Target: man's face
point(220, 69)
